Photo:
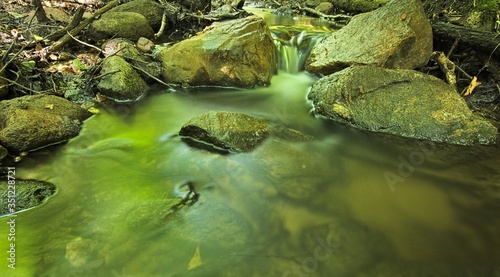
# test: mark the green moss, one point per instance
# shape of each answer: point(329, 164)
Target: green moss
point(487, 5)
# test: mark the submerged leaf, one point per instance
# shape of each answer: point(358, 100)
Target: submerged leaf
point(196, 259)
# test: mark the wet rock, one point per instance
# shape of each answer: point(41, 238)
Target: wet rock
point(145, 45)
point(130, 25)
point(237, 53)
point(397, 35)
point(29, 194)
point(233, 132)
point(35, 121)
point(122, 82)
point(405, 103)
point(151, 10)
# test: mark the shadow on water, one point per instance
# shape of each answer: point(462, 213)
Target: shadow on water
point(349, 203)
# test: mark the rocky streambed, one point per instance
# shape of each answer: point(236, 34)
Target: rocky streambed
point(231, 158)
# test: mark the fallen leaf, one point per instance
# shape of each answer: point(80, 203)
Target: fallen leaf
point(49, 106)
point(196, 259)
point(473, 84)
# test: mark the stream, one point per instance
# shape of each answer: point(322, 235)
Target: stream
point(349, 203)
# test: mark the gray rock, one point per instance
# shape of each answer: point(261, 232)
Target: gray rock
point(406, 103)
point(34, 121)
point(130, 25)
point(122, 82)
point(29, 193)
point(233, 132)
point(398, 35)
point(237, 53)
point(151, 10)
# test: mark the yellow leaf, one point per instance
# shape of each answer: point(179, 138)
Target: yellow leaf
point(473, 84)
point(196, 259)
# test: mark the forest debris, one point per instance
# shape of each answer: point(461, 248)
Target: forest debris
point(473, 84)
point(447, 67)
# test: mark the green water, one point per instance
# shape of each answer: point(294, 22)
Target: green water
point(321, 208)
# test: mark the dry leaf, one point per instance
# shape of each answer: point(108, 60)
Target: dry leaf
point(196, 259)
point(473, 84)
point(49, 106)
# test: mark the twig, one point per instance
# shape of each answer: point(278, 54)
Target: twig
point(21, 86)
point(453, 47)
point(86, 44)
point(151, 76)
point(66, 38)
point(164, 23)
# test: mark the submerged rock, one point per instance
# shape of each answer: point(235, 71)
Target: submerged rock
point(237, 53)
point(401, 102)
point(397, 35)
point(122, 82)
point(29, 194)
point(35, 121)
point(233, 132)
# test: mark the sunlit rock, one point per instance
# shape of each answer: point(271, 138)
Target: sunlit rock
point(400, 102)
point(35, 121)
point(121, 82)
point(236, 53)
point(130, 25)
point(398, 35)
point(233, 132)
point(29, 193)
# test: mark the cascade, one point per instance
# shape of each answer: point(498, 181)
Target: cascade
point(293, 47)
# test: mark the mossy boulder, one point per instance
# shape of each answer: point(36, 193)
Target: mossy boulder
point(398, 35)
point(121, 82)
point(234, 53)
point(151, 10)
point(401, 102)
point(233, 132)
point(35, 121)
point(130, 25)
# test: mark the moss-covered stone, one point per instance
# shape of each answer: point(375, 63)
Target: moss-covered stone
point(121, 82)
point(34, 121)
point(400, 102)
point(129, 25)
point(28, 194)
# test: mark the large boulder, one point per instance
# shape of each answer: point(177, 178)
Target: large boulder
point(129, 25)
point(238, 53)
point(120, 82)
point(34, 121)
point(233, 132)
point(400, 102)
point(398, 35)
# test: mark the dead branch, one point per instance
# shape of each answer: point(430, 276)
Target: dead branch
point(40, 12)
point(447, 67)
point(67, 38)
point(77, 17)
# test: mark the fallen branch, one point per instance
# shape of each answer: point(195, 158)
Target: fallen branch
point(447, 67)
point(68, 37)
point(77, 17)
point(151, 76)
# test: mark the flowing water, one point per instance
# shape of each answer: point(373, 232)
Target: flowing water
point(349, 203)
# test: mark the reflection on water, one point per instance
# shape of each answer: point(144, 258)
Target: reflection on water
point(321, 208)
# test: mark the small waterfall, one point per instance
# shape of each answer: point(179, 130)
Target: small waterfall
point(293, 47)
